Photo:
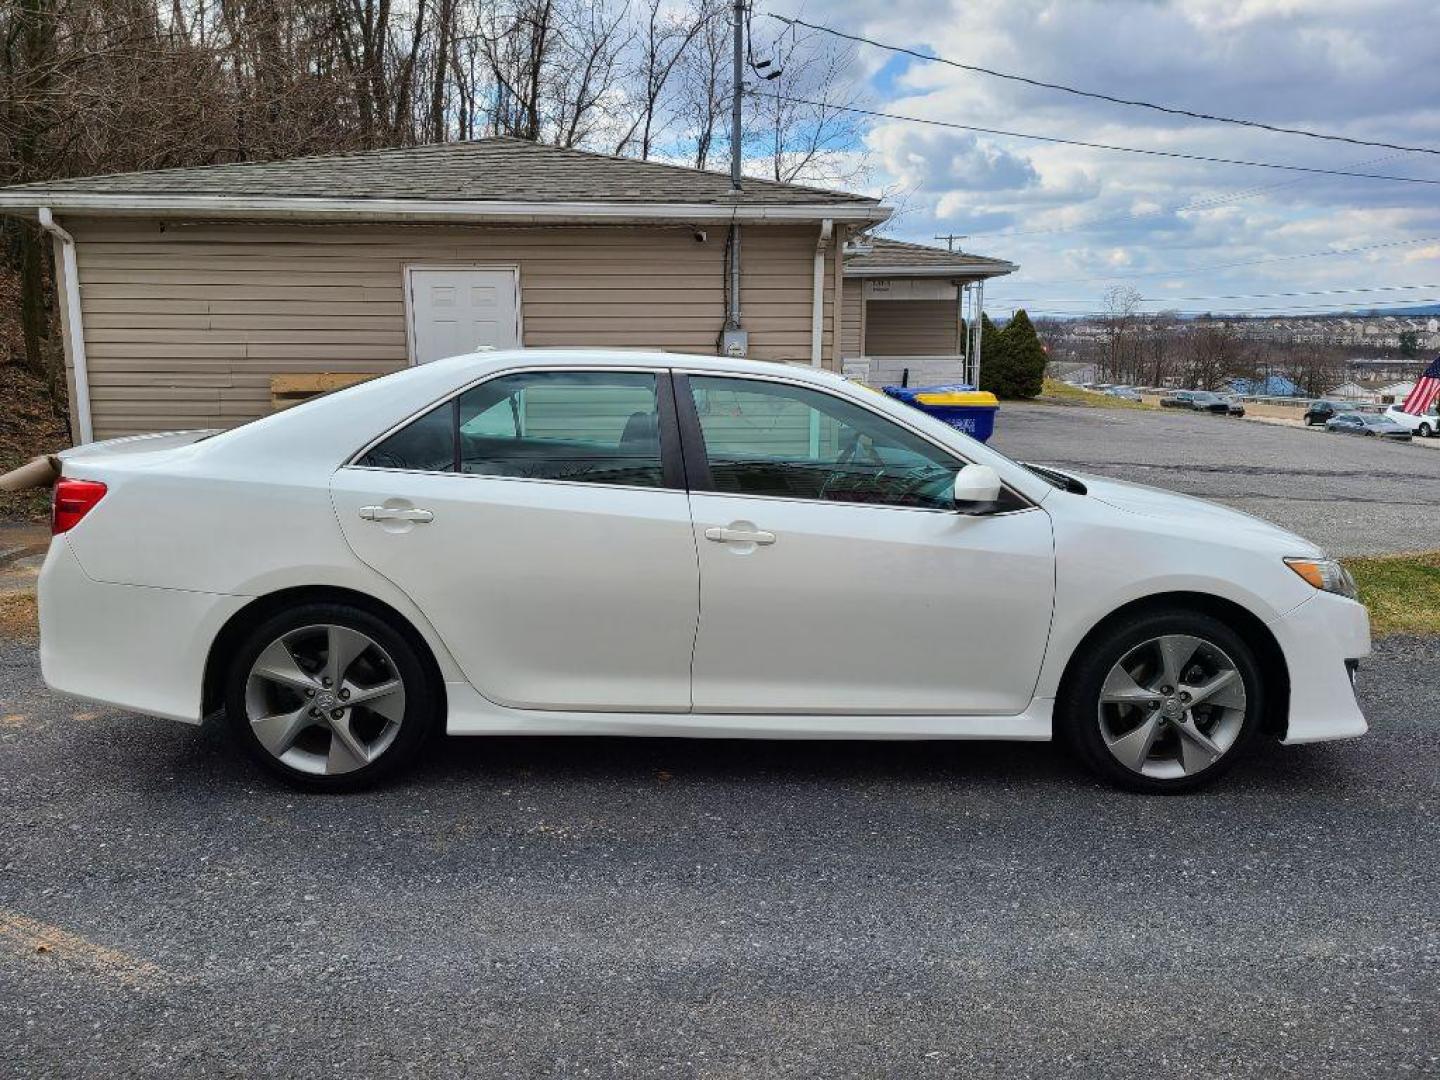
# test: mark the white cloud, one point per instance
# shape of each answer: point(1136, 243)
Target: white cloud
point(1364, 68)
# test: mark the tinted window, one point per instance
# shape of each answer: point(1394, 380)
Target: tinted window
point(765, 438)
point(427, 444)
point(593, 427)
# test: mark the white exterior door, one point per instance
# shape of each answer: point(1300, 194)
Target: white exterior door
point(459, 310)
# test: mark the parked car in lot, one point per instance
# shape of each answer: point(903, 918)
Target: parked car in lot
point(1178, 399)
point(1368, 424)
point(1128, 393)
point(1233, 405)
point(607, 543)
point(1205, 401)
point(1426, 426)
point(1321, 411)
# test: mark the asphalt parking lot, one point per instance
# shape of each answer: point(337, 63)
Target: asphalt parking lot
point(630, 908)
point(1353, 496)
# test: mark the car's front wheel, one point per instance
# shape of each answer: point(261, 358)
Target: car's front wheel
point(1163, 703)
point(329, 696)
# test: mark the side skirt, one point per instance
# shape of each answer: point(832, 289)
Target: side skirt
point(471, 714)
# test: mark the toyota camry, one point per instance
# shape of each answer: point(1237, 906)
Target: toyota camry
point(606, 543)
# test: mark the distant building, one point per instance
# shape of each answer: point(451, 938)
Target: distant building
point(1350, 391)
point(1274, 386)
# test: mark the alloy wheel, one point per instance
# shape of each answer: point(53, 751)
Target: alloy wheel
point(325, 699)
point(1172, 706)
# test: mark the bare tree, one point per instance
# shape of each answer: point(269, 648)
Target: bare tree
point(594, 39)
point(1121, 304)
point(704, 88)
point(663, 39)
point(800, 120)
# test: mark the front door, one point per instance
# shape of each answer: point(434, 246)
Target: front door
point(460, 310)
point(540, 522)
point(836, 575)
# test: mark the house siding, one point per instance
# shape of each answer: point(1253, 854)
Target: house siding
point(186, 323)
point(852, 319)
point(912, 328)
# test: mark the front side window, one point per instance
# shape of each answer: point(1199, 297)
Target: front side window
point(771, 438)
point(592, 427)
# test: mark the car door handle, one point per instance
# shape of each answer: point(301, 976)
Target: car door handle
point(739, 536)
point(391, 513)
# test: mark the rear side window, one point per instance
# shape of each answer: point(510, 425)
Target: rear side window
point(583, 426)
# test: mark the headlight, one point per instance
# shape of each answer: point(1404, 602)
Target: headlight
point(1325, 574)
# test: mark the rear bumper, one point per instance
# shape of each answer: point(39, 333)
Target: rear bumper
point(1318, 639)
point(131, 646)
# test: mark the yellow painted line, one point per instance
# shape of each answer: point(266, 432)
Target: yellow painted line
point(40, 939)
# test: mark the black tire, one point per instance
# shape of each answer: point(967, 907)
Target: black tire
point(421, 714)
point(1424, 431)
point(1077, 722)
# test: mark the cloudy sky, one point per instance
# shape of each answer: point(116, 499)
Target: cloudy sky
point(1079, 220)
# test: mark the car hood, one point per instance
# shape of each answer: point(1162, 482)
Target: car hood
point(1190, 515)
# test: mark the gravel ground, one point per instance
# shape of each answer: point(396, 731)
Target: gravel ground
point(1352, 496)
point(633, 908)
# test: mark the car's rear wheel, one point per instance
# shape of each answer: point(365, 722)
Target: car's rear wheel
point(1424, 431)
point(330, 696)
point(1163, 703)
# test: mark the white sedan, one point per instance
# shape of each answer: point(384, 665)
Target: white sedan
point(1425, 426)
point(605, 543)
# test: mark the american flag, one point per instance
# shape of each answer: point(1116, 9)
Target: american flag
point(1426, 391)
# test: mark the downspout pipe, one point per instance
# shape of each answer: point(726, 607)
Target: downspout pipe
point(74, 325)
point(817, 302)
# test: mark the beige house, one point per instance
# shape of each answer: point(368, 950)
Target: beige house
point(193, 297)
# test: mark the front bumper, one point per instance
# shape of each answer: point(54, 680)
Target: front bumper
point(1320, 639)
point(132, 646)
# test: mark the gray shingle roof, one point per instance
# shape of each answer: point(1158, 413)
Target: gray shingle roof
point(497, 169)
point(887, 254)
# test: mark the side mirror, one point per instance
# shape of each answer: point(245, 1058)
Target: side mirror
point(977, 489)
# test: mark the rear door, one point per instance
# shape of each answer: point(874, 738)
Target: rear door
point(540, 522)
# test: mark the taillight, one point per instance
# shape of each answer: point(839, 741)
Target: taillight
point(73, 499)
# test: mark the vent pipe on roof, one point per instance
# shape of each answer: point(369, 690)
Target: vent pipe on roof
point(74, 325)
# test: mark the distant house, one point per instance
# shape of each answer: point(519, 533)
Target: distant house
point(189, 295)
point(1394, 392)
point(1350, 391)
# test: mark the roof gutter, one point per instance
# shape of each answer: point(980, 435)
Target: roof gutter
point(995, 269)
point(817, 299)
point(308, 208)
point(74, 325)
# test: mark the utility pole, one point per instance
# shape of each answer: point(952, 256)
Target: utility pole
point(951, 239)
point(738, 18)
point(734, 340)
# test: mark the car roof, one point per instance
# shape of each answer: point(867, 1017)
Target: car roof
point(645, 358)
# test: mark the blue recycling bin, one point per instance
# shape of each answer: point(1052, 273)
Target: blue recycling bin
point(962, 407)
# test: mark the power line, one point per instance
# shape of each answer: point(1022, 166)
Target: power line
point(1098, 146)
point(1198, 203)
point(1347, 310)
point(1136, 103)
point(1178, 271)
point(1225, 296)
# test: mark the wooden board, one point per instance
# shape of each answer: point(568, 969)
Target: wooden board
point(288, 390)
